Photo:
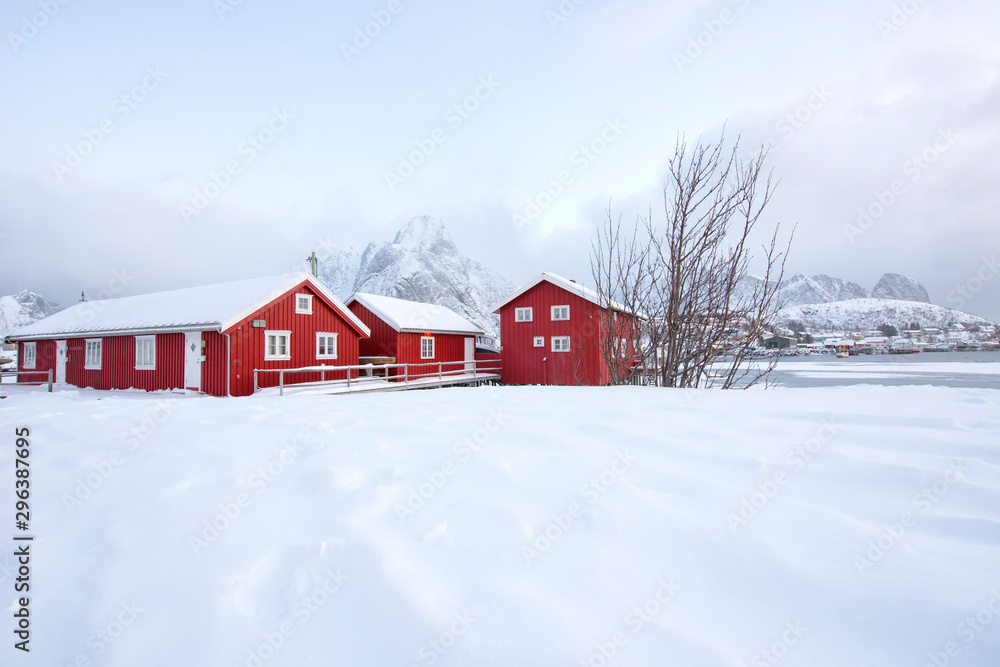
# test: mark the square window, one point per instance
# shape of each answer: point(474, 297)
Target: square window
point(304, 304)
point(539, 341)
point(145, 353)
point(560, 343)
point(560, 313)
point(28, 350)
point(326, 346)
point(427, 347)
point(522, 314)
point(277, 345)
point(92, 358)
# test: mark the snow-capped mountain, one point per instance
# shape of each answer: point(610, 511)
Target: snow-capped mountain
point(899, 287)
point(819, 289)
point(824, 303)
point(22, 309)
point(869, 314)
point(422, 263)
point(800, 290)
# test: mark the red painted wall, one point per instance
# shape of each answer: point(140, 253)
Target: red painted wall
point(384, 341)
point(45, 359)
point(247, 342)
point(405, 347)
point(215, 366)
point(247, 352)
point(118, 364)
point(523, 363)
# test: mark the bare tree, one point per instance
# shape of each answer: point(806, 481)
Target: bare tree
point(623, 271)
point(688, 275)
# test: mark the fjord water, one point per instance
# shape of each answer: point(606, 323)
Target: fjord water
point(944, 369)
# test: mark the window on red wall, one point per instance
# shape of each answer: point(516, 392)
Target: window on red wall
point(326, 346)
point(303, 304)
point(277, 345)
point(145, 353)
point(427, 347)
point(92, 358)
point(28, 350)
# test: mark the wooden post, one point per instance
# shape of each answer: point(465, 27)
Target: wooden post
point(50, 380)
point(440, 373)
point(281, 382)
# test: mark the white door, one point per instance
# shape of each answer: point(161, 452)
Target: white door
point(192, 360)
point(60, 361)
point(470, 354)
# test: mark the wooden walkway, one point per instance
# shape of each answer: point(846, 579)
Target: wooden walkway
point(370, 378)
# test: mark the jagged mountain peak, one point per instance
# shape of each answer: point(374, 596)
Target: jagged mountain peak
point(901, 288)
point(22, 309)
point(421, 263)
point(423, 232)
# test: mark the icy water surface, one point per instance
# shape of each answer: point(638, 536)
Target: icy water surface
point(948, 369)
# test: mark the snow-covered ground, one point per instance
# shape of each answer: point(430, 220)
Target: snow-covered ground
point(511, 526)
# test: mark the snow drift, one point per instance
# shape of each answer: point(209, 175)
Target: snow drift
point(514, 526)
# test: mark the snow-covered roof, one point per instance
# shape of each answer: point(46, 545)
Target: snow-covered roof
point(569, 286)
point(206, 308)
point(414, 317)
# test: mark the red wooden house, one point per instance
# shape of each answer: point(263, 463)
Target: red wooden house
point(207, 339)
point(552, 331)
point(415, 333)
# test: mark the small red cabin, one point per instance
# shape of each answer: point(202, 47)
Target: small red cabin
point(409, 332)
point(207, 339)
point(552, 331)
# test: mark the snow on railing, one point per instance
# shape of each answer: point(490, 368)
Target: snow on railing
point(47, 373)
point(471, 370)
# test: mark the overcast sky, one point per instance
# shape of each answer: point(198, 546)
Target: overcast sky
point(190, 142)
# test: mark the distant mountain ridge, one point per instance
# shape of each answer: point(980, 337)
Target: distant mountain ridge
point(801, 290)
point(870, 314)
point(422, 263)
point(825, 303)
point(22, 309)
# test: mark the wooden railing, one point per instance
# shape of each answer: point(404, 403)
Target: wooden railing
point(47, 373)
point(411, 373)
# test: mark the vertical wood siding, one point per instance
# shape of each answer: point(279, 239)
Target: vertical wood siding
point(405, 347)
point(118, 352)
point(118, 364)
point(279, 315)
point(523, 363)
point(384, 341)
point(45, 359)
point(216, 364)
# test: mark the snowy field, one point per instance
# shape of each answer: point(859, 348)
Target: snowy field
point(847, 526)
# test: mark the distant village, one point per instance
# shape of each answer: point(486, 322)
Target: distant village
point(886, 340)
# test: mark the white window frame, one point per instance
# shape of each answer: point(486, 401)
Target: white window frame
point(91, 344)
point(150, 363)
point(539, 341)
point(557, 311)
point(423, 353)
point(288, 345)
point(325, 336)
point(557, 343)
point(30, 355)
point(299, 310)
point(518, 312)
